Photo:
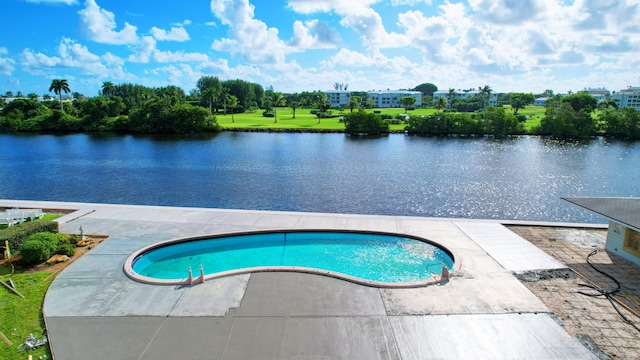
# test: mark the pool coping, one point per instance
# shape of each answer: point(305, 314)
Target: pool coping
point(202, 278)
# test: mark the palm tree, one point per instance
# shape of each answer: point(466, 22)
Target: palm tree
point(485, 92)
point(233, 103)
point(293, 105)
point(223, 96)
point(276, 100)
point(442, 103)
point(58, 86)
point(108, 89)
point(210, 95)
point(607, 103)
point(452, 94)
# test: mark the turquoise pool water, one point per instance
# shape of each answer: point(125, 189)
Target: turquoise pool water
point(369, 256)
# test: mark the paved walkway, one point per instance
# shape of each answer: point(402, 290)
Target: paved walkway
point(93, 310)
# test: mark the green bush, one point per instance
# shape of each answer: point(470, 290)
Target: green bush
point(386, 116)
point(66, 249)
point(268, 114)
point(38, 247)
point(17, 234)
point(34, 252)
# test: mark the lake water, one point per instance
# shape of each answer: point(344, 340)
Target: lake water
point(518, 178)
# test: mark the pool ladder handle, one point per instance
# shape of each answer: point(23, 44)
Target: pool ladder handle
point(191, 279)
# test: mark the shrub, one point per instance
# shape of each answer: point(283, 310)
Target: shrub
point(411, 108)
point(386, 116)
point(66, 249)
point(17, 234)
point(38, 247)
point(377, 111)
point(34, 252)
point(522, 118)
point(268, 114)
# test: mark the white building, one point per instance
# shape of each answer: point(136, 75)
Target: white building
point(601, 94)
point(464, 94)
point(541, 101)
point(391, 98)
point(338, 98)
point(629, 97)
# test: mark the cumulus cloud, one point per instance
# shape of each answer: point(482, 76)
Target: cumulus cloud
point(249, 39)
point(314, 34)
point(175, 34)
point(178, 56)
point(71, 55)
point(65, 2)
point(357, 15)
point(6, 64)
point(143, 49)
point(100, 26)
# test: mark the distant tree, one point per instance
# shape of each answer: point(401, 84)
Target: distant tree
point(354, 102)
point(59, 86)
point(609, 103)
point(8, 94)
point(322, 103)
point(206, 82)
point(364, 123)
point(223, 98)
point(233, 103)
point(210, 95)
point(407, 101)
point(19, 94)
point(518, 101)
point(451, 95)
point(442, 103)
point(485, 92)
point(581, 101)
point(276, 99)
point(427, 89)
point(293, 105)
point(32, 96)
point(108, 89)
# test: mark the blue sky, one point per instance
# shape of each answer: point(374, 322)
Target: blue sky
point(305, 45)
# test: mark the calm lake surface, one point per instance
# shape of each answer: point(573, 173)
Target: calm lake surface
point(520, 178)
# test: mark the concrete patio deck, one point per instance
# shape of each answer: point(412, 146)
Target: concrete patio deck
point(93, 310)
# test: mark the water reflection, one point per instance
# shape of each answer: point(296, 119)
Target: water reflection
point(512, 178)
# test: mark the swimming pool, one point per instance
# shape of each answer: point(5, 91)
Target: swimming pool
point(376, 259)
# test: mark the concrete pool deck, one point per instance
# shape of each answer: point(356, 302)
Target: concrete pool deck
point(92, 309)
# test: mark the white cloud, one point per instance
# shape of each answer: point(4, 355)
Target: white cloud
point(6, 64)
point(314, 34)
point(65, 2)
point(71, 55)
point(339, 6)
point(410, 2)
point(100, 26)
point(175, 34)
point(182, 24)
point(178, 56)
point(142, 50)
point(249, 39)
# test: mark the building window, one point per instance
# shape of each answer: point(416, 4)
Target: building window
point(631, 242)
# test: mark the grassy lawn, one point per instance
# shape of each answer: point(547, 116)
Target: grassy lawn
point(304, 120)
point(23, 315)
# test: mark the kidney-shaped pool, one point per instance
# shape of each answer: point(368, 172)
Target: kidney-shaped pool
point(375, 259)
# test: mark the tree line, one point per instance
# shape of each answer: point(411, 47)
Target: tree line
point(136, 108)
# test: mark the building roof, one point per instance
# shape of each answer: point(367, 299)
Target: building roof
point(622, 210)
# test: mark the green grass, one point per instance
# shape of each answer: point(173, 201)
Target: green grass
point(23, 315)
point(304, 120)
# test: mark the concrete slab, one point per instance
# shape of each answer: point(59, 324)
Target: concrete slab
point(510, 250)
point(295, 294)
point(106, 338)
point(181, 338)
point(511, 336)
point(365, 338)
point(213, 298)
